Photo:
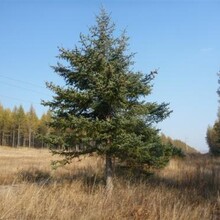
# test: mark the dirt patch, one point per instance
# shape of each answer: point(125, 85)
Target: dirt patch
point(9, 188)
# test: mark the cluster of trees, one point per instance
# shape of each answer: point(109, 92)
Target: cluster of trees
point(20, 128)
point(213, 132)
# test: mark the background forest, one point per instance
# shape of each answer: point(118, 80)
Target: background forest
point(20, 128)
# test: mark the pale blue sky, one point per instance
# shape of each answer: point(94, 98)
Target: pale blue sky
point(181, 38)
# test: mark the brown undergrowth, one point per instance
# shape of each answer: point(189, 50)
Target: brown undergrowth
point(30, 189)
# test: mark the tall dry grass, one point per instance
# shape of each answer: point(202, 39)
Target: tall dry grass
point(186, 189)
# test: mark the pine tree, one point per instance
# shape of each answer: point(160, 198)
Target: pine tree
point(213, 138)
point(32, 124)
point(213, 133)
point(20, 123)
point(1, 123)
point(101, 108)
point(43, 129)
point(6, 123)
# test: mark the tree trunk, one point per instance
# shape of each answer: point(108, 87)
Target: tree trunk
point(29, 137)
point(109, 174)
point(24, 142)
point(3, 138)
point(18, 141)
point(33, 141)
point(13, 138)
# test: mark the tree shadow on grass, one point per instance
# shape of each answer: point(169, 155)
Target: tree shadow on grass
point(132, 174)
point(90, 180)
point(34, 175)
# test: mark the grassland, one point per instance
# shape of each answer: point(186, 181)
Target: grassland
point(29, 189)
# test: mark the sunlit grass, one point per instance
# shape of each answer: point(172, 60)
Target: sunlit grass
point(30, 189)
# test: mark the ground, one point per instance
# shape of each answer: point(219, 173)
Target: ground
point(30, 189)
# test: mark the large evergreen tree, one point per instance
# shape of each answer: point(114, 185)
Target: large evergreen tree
point(102, 106)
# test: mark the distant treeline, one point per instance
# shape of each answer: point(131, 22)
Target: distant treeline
point(179, 144)
point(20, 128)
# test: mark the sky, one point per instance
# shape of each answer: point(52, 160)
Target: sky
point(179, 38)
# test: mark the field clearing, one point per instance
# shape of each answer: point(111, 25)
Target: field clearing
point(30, 189)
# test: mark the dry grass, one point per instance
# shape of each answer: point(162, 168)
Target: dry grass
point(187, 189)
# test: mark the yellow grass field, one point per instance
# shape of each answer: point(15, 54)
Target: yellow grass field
point(29, 189)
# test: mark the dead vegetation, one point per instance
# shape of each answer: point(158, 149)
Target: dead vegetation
point(30, 189)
